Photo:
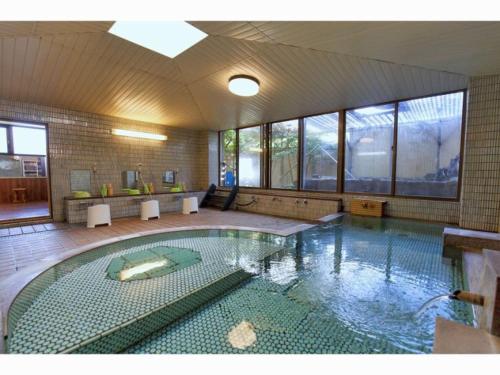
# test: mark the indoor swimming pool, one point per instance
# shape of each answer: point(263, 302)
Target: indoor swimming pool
point(353, 285)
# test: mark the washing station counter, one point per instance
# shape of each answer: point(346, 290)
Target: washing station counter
point(124, 205)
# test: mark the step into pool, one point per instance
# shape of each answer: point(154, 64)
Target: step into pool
point(349, 286)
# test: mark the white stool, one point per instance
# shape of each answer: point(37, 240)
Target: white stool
point(150, 210)
point(190, 205)
point(98, 215)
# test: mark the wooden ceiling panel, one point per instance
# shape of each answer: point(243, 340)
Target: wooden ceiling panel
point(314, 82)
point(39, 28)
point(304, 68)
point(232, 29)
point(462, 47)
point(216, 53)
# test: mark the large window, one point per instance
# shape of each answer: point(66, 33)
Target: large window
point(284, 154)
point(428, 146)
point(250, 156)
point(3, 140)
point(29, 140)
point(227, 143)
point(368, 149)
point(405, 148)
point(320, 161)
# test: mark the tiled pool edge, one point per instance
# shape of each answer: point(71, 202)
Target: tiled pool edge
point(470, 240)
point(16, 283)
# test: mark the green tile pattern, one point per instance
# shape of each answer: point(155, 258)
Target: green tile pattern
point(79, 302)
point(351, 286)
point(29, 294)
point(175, 259)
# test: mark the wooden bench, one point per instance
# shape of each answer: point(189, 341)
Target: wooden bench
point(368, 207)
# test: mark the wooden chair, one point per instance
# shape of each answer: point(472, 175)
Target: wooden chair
point(19, 195)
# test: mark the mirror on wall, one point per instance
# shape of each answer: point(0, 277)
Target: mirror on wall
point(80, 180)
point(130, 179)
point(169, 177)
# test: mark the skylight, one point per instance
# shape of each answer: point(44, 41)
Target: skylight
point(170, 38)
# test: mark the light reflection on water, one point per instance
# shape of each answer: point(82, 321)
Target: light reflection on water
point(372, 275)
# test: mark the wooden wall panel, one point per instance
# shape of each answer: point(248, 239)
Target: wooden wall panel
point(36, 188)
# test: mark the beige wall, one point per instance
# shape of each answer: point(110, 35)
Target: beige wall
point(479, 207)
point(421, 209)
point(480, 204)
point(77, 140)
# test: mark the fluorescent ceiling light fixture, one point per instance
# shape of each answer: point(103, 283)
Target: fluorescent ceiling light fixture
point(243, 85)
point(134, 134)
point(170, 38)
point(372, 110)
point(142, 268)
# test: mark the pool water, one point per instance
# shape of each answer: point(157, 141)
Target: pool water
point(350, 286)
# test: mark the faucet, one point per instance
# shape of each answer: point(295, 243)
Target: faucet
point(461, 295)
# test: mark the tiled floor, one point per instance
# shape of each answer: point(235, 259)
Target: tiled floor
point(33, 228)
point(13, 211)
point(25, 246)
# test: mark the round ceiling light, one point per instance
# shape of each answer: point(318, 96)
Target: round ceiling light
point(243, 85)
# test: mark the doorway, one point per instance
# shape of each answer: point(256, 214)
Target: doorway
point(24, 172)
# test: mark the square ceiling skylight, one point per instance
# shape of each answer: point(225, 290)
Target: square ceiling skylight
point(170, 38)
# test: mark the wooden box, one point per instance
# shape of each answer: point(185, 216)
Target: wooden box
point(368, 207)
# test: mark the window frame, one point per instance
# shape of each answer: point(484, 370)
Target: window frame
point(219, 156)
point(340, 162)
point(7, 138)
point(461, 149)
point(300, 149)
point(263, 156)
point(9, 124)
point(266, 154)
point(393, 150)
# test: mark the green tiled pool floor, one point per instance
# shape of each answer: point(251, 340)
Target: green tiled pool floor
point(86, 311)
point(350, 286)
point(282, 325)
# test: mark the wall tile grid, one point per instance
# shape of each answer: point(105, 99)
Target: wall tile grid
point(421, 209)
point(301, 208)
point(480, 203)
point(77, 140)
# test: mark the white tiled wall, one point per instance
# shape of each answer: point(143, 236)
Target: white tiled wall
point(480, 202)
point(77, 140)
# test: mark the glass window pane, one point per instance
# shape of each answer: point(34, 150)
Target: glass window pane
point(429, 134)
point(31, 141)
point(320, 152)
point(250, 147)
point(284, 154)
point(227, 158)
point(3, 140)
point(368, 149)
